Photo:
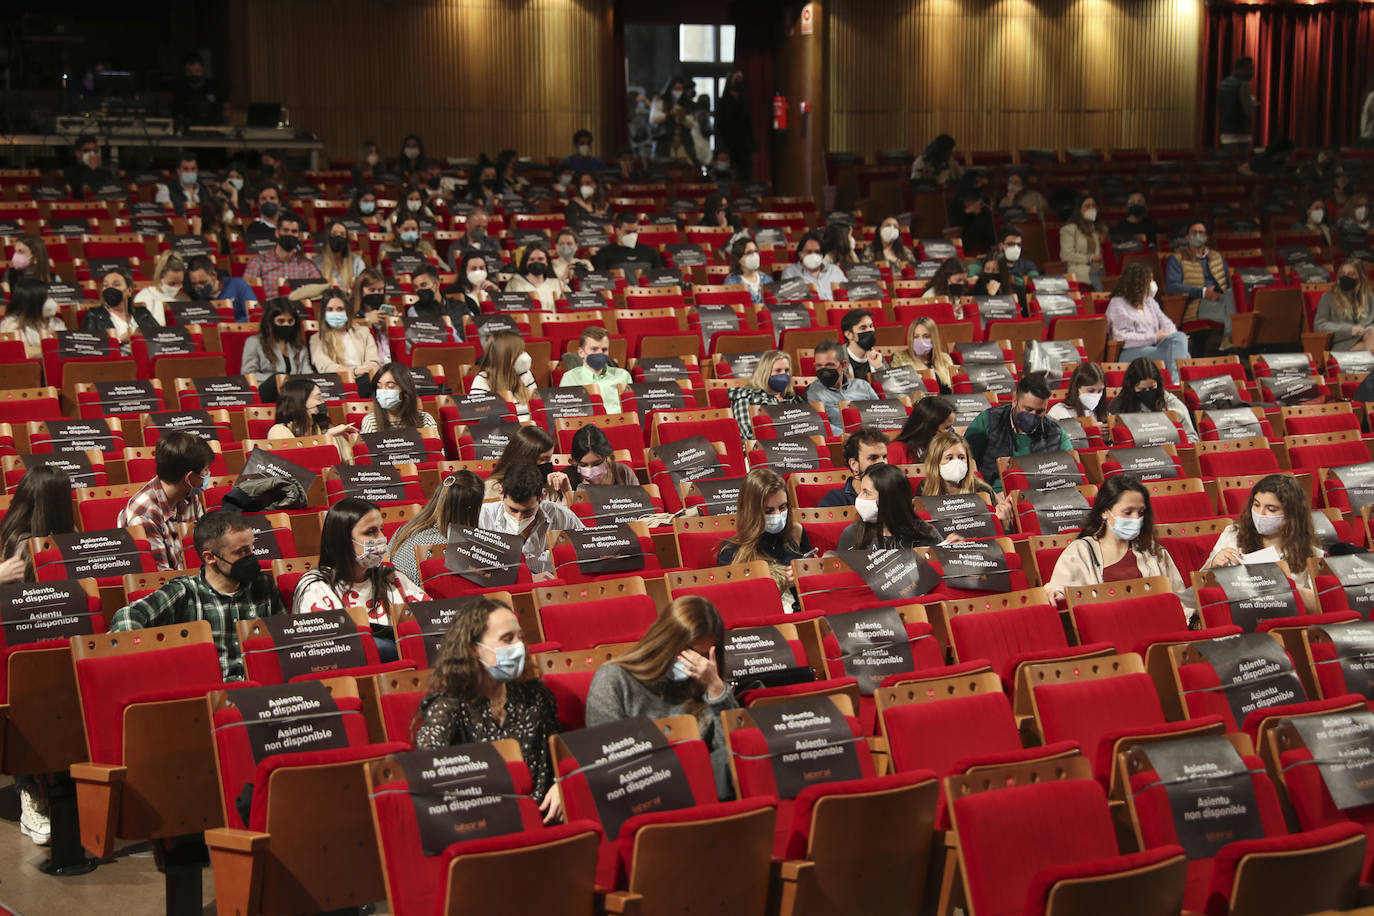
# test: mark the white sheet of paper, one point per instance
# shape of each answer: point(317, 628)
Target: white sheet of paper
point(1263, 555)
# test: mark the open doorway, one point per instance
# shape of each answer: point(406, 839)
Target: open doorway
point(701, 55)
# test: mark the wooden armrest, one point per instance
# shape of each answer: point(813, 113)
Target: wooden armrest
point(1244, 326)
point(622, 903)
point(234, 840)
point(103, 773)
point(792, 869)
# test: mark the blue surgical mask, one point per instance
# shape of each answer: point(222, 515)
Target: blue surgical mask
point(1128, 529)
point(774, 523)
point(410, 237)
point(679, 672)
point(510, 662)
point(388, 398)
point(367, 207)
point(204, 484)
point(335, 319)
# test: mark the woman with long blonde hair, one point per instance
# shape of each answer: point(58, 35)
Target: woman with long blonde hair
point(169, 275)
point(505, 371)
point(771, 383)
point(767, 528)
point(1346, 311)
point(950, 470)
point(674, 669)
point(925, 351)
point(341, 344)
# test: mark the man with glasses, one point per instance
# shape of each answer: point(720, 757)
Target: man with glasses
point(1018, 428)
point(230, 587)
point(176, 495)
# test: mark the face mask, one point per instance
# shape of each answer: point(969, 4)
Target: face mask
point(227, 216)
point(284, 331)
point(676, 94)
point(630, 239)
point(954, 470)
point(268, 209)
point(867, 509)
point(432, 183)
point(922, 346)
point(1149, 397)
point(49, 309)
point(373, 300)
point(567, 252)
point(489, 184)
point(235, 183)
point(373, 159)
point(244, 571)
point(88, 159)
point(510, 662)
point(189, 178)
point(201, 292)
point(425, 296)
point(21, 261)
point(170, 289)
point(830, 378)
point(1090, 214)
point(367, 207)
point(593, 474)
point(412, 205)
point(779, 382)
point(335, 320)
point(537, 269)
point(852, 244)
point(1026, 422)
point(1266, 525)
point(514, 523)
point(388, 398)
point(811, 261)
point(1347, 284)
point(412, 152)
point(1361, 213)
point(1197, 239)
point(564, 180)
point(680, 671)
point(722, 166)
point(1154, 288)
point(773, 523)
point(1013, 253)
point(113, 298)
point(584, 149)
point(1316, 217)
point(522, 363)
point(288, 243)
point(866, 340)
point(890, 234)
point(338, 243)
point(597, 361)
point(1090, 399)
point(957, 289)
point(410, 236)
point(1136, 210)
point(750, 261)
point(546, 468)
point(477, 277)
point(321, 416)
point(587, 191)
point(374, 550)
point(1128, 529)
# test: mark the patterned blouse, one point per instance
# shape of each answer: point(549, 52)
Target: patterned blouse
point(531, 717)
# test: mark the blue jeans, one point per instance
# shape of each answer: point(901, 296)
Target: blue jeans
point(1171, 349)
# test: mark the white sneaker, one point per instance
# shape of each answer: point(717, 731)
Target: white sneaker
point(33, 815)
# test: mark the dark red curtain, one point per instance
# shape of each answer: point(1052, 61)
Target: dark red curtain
point(1312, 64)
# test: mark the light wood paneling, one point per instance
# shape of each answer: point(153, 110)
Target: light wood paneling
point(1013, 74)
point(466, 75)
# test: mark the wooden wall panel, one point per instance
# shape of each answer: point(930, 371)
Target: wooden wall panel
point(466, 75)
point(1012, 74)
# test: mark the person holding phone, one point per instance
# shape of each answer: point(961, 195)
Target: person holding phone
point(767, 528)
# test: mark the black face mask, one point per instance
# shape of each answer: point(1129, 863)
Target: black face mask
point(489, 184)
point(267, 209)
point(425, 296)
point(373, 300)
point(1150, 397)
point(546, 468)
point(1136, 211)
point(1347, 284)
point(337, 244)
point(201, 293)
point(244, 571)
point(113, 298)
point(867, 339)
point(830, 378)
point(283, 331)
point(433, 183)
point(537, 269)
point(288, 243)
point(956, 289)
point(321, 416)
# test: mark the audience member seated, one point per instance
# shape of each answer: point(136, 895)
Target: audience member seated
point(626, 247)
point(535, 276)
point(994, 278)
point(838, 246)
point(1314, 220)
point(744, 269)
point(1204, 277)
point(949, 470)
point(405, 244)
point(568, 265)
point(1086, 399)
point(1012, 264)
point(1080, 243)
point(937, 164)
point(588, 207)
point(342, 344)
point(279, 346)
point(184, 464)
point(523, 511)
point(187, 192)
point(674, 669)
point(284, 261)
point(1018, 428)
point(231, 189)
point(581, 159)
point(1020, 197)
point(28, 259)
point(117, 311)
point(474, 241)
point(338, 264)
point(971, 213)
point(771, 383)
point(924, 351)
point(504, 370)
point(203, 283)
point(1278, 518)
point(169, 274)
point(1355, 216)
point(455, 501)
point(1137, 225)
point(861, 338)
point(396, 402)
point(1143, 391)
point(1346, 311)
point(887, 248)
point(834, 383)
point(886, 517)
point(369, 304)
point(812, 267)
point(473, 283)
point(411, 208)
point(767, 528)
point(87, 173)
point(40, 507)
point(1117, 542)
point(863, 448)
point(483, 687)
point(594, 349)
point(432, 305)
point(530, 445)
point(31, 314)
point(1134, 318)
point(353, 572)
point(268, 201)
point(929, 417)
point(301, 411)
point(950, 281)
point(593, 461)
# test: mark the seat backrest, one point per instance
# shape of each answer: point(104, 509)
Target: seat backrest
point(277, 650)
point(583, 624)
point(1086, 710)
point(937, 734)
point(1000, 636)
point(1125, 621)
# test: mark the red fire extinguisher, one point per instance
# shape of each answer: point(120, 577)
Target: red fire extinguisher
point(779, 111)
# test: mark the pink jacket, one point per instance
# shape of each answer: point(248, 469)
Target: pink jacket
point(1136, 327)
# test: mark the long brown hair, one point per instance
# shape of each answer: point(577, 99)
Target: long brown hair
point(1297, 537)
point(525, 447)
point(759, 484)
point(330, 337)
point(681, 623)
point(498, 362)
point(40, 267)
point(365, 277)
point(458, 671)
point(407, 413)
point(1134, 284)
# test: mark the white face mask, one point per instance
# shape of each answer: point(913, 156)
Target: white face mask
point(630, 239)
point(890, 234)
point(49, 309)
point(522, 363)
point(1361, 213)
point(774, 523)
point(412, 205)
point(811, 261)
point(750, 261)
point(867, 509)
point(1316, 217)
point(1154, 288)
point(477, 277)
point(412, 152)
point(1013, 253)
point(852, 243)
point(514, 525)
point(954, 470)
point(1090, 214)
point(587, 191)
point(170, 289)
point(1266, 525)
point(1090, 399)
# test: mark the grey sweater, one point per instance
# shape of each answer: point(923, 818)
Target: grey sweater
point(616, 694)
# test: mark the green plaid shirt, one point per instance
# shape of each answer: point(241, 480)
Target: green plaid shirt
point(190, 598)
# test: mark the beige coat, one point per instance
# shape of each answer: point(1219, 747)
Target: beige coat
point(1077, 251)
point(1081, 564)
